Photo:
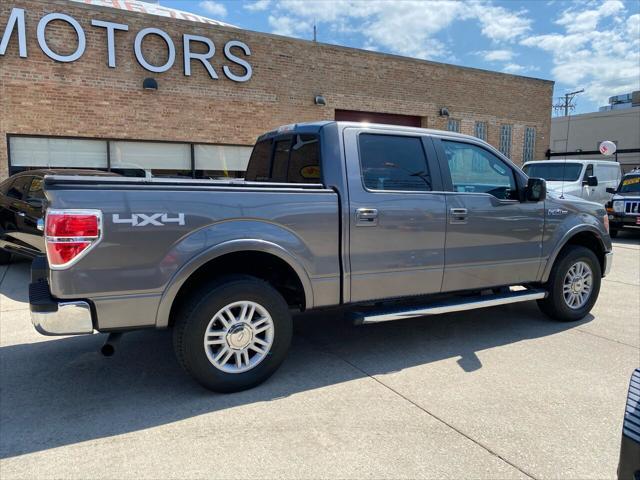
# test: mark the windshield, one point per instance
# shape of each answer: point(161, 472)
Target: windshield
point(554, 171)
point(630, 185)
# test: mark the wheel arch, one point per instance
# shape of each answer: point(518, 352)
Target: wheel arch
point(260, 258)
point(586, 236)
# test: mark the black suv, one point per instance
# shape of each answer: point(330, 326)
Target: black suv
point(22, 208)
point(624, 207)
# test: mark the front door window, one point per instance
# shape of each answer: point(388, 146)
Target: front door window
point(476, 170)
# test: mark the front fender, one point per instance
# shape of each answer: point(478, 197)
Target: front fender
point(564, 239)
point(224, 248)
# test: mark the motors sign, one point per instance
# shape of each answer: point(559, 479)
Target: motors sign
point(231, 49)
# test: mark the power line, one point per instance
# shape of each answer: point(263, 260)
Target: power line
point(566, 102)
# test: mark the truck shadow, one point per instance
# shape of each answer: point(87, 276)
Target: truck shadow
point(61, 391)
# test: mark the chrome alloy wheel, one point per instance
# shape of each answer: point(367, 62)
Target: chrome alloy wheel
point(239, 337)
point(577, 285)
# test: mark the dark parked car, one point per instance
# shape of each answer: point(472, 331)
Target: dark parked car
point(22, 207)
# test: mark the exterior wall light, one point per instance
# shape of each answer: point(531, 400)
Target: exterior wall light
point(320, 100)
point(444, 112)
point(149, 84)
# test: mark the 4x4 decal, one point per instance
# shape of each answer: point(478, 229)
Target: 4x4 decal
point(154, 219)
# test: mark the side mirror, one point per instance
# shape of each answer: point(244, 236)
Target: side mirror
point(536, 190)
point(591, 181)
point(611, 190)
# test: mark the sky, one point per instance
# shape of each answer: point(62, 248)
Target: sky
point(583, 44)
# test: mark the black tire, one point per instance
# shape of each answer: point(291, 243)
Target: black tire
point(193, 319)
point(5, 257)
point(554, 305)
point(613, 232)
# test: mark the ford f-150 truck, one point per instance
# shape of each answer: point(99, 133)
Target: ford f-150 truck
point(383, 222)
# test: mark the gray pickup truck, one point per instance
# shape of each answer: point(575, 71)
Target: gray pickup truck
point(382, 222)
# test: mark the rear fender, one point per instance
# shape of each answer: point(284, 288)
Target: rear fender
point(224, 248)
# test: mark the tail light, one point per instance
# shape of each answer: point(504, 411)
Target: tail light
point(70, 234)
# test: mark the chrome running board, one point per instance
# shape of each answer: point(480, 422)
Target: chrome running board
point(452, 305)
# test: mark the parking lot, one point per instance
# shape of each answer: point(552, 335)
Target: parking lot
point(495, 393)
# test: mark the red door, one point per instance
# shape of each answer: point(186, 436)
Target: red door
point(373, 117)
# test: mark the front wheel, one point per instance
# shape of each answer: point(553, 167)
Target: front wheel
point(573, 286)
point(233, 334)
point(613, 232)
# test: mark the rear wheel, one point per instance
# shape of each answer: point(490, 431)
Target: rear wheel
point(573, 286)
point(613, 233)
point(5, 257)
point(233, 334)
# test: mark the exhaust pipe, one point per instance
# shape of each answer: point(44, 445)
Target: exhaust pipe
point(109, 347)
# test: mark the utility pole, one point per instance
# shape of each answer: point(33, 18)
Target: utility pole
point(315, 39)
point(566, 102)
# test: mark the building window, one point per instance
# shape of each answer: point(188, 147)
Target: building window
point(129, 158)
point(216, 161)
point(160, 159)
point(453, 125)
point(505, 140)
point(529, 144)
point(30, 152)
point(481, 130)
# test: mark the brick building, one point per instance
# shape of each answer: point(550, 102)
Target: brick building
point(71, 97)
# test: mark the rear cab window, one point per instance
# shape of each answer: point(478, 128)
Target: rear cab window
point(289, 159)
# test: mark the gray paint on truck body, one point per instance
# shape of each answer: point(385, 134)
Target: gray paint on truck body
point(133, 275)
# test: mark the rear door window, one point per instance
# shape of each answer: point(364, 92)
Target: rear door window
point(393, 162)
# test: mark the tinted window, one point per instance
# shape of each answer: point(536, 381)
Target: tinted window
point(474, 169)
point(589, 171)
point(18, 188)
point(554, 171)
point(630, 184)
point(304, 162)
point(392, 162)
point(280, 161)
point(35, 189)
point(260, 162)
point(295, 160)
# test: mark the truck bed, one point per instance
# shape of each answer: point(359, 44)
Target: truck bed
point(298, 222)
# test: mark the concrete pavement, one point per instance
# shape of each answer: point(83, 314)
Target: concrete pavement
point(495, 393)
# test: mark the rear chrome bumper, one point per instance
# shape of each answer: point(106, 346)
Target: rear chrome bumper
point(50, 317)
point(608, 260)
point(71, 318)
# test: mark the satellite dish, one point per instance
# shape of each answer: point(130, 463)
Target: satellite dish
point(607, 148)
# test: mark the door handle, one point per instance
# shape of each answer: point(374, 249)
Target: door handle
point(22, 214)
point(366, 217)
point(458, 215)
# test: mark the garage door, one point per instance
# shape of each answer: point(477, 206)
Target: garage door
point(374, 117)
